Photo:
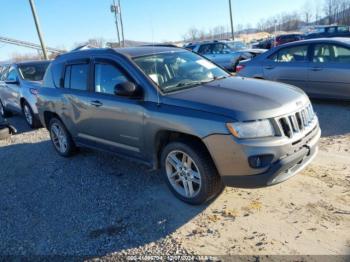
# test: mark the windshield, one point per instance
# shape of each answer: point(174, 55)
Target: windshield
point(175, 71)
point(33, 72)
point(237, 45)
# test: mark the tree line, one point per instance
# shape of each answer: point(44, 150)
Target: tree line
point(313, 12)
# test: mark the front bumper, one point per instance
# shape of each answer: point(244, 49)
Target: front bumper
point(290, 157)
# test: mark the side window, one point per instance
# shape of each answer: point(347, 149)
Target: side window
point(76, 77)
point(107, 76)
point(332, 30)
point(290, 54)
point(205, 49)
point(343, 29)
point(327, 53)
point(12, 75)
point(219, 49)
point(48, 80)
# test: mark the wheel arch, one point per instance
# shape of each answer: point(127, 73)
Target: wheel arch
point(48, 115)
point(164, 137)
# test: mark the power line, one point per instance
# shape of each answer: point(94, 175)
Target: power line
point(12, 41)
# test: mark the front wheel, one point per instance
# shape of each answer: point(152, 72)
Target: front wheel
point(29, 116)
point(60, 138)
point(190, 172)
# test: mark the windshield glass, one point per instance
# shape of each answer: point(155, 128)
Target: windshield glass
point(175, 71)
point(33, 72)
point(237, 45)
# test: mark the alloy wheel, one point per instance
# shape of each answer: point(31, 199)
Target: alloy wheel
point(59, 138)
point(183, 174)
point(28, 114)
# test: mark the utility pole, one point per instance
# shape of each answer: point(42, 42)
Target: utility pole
point(121, 23)
point(37, 25)
point(115, 9)
point(232, 32)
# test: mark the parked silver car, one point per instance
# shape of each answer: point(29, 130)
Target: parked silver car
point(19, 88)
point(321, 67)
point(226, 54)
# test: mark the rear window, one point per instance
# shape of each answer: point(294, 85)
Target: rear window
point(33, 72)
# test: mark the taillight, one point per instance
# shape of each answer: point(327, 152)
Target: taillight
point(239, 68)
point(34, 91)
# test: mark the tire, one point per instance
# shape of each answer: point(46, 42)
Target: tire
point(3, 112)
point(206, 183)
point(5, 133)
point(31, 120)
point(61, 139)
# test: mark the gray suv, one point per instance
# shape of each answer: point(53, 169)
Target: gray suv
point(19, 85)
point(172, 109)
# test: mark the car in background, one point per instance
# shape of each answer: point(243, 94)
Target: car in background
point(287, 38)
point(264, 44)
point(329, 31)
point(321, 67)
point(3, 70)
point(226, 54)
point(174, 110)
point(19, 87)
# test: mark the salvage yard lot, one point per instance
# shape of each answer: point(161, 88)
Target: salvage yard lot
point(98, 204)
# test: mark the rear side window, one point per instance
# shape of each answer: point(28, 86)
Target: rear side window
point(290, 54)
point(48, 80)
point(76, 77)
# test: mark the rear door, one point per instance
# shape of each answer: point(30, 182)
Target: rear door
point(289, 65)
point(103, 119)
point(329, 73)
point(223, 55)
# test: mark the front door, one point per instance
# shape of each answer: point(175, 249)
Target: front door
point(329, 71)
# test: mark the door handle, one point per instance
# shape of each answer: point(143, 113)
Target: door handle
point(315, 69)
point(269, 67)
point(96, 103)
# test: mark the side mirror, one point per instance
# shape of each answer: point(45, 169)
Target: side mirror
point(127, 89)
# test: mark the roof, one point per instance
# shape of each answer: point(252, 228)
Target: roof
point(343, 40)
point(32, 62)
point(146, 50)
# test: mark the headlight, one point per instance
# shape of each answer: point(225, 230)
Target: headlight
point(254, 129)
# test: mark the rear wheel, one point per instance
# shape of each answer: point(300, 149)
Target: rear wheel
point(60, 138)
point(29, 116)
point(190, 172)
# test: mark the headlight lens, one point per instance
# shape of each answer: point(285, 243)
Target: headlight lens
point(254, 129)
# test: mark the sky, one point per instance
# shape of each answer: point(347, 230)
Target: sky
point(68, 22)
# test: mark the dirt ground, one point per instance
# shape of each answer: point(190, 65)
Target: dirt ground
point(97, 204)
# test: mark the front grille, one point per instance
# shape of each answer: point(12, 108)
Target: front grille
point(298, 122)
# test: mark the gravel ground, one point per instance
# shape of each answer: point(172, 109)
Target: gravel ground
point(96, 204)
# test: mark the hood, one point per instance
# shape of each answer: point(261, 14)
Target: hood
point(34, 84)
point(241, 99)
